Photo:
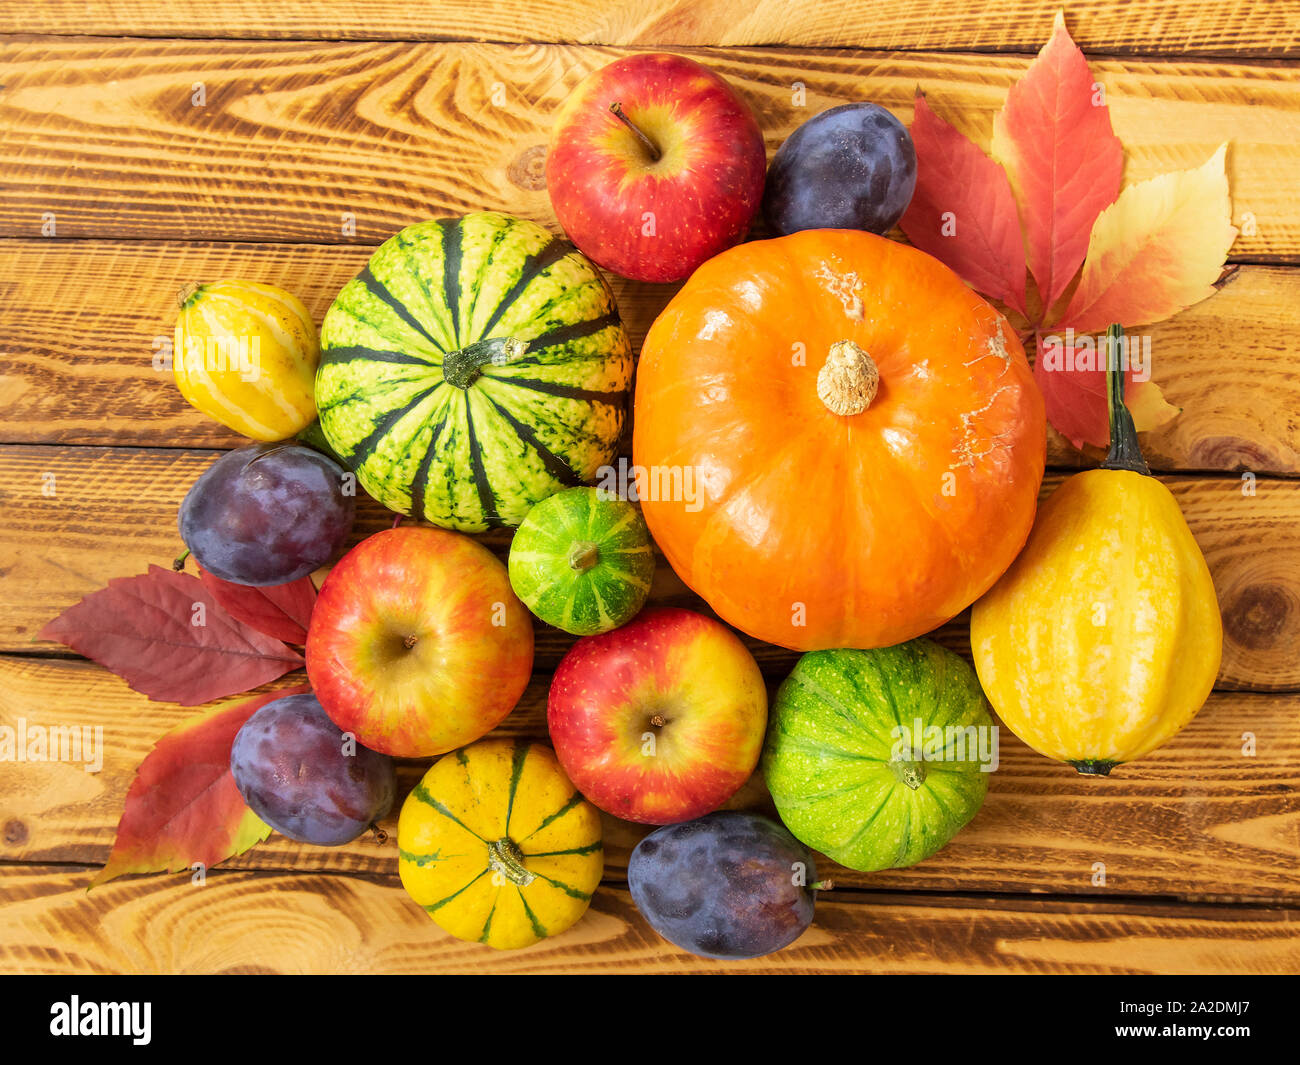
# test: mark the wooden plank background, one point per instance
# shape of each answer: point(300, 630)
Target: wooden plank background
point(1149, 27)
point(145, 144)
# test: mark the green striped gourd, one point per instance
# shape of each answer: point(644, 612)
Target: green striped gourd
point(875, 757)
point(476, 366)
point(582, 561)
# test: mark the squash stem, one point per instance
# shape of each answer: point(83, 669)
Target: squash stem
point(1094, 768)
point(583, 555)
point(462, 366)
point(505, 857)
point(178, 563)
point(910, 773)
point(1124, 454)
point(848, 380)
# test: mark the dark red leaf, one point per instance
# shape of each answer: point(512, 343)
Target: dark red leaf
point(963, 212)
point(183, 806)
point(279, 610)
point(166, 636)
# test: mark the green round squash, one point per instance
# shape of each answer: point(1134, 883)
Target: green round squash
point(476, 366)
point(583, 561)
point(874, 757)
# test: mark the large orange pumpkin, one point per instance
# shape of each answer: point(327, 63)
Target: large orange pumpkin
point(837, 442)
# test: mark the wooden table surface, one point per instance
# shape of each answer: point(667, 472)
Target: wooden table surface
point(146, 143)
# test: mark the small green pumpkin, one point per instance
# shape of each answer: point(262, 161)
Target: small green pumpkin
point(875, 758)
point(582, 561)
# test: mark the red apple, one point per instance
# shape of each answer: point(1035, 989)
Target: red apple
point(417, 645)
point(661, 720)
point(655, 165)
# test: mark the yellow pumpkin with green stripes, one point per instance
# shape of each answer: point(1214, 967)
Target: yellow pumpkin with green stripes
point(498, 846)
point(246, 355)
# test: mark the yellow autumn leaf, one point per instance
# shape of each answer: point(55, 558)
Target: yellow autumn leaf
point(1148, 407)
point(1159, 248)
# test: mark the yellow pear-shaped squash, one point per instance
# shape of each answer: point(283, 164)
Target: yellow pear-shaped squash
point(497, 845)
point(1103, 639)
point(246, 355)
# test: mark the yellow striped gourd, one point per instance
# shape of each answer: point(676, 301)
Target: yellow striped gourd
point(498, 846)
point(246, 354)
point(1103, 639)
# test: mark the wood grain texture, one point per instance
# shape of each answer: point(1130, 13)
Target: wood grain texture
point(82, 321)
point(1231, 27)
point(293, 137)
point(1196, 819)
point(318, 151)
point(113, 511)
point(249, 922)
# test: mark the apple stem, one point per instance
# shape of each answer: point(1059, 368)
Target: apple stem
point(178, 563)
point(658, 721)
point(409, 641)
point(651, 147)
point(381, 836)
point(823, 885)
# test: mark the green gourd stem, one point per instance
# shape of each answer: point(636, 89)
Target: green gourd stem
point(178, 563)
point(822, 885)
point(187, 294)
point(462, 366)
point(583, 555)
point(910, 773)
point(1124, 454)
point(505, 857)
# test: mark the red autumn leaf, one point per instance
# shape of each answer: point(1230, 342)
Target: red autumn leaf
point(1053, 136)
point(166, 636)
point(183, 807)
point(1071, 374)
point(963, 212)
point(278, 610)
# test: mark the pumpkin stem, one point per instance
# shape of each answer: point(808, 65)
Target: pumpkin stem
point(505, 857)
point(1124, 454)
point(910, 773)
point(848, 380)
point(178, 563)
point(583, 555)
point(462, 366)
point(649, 145)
